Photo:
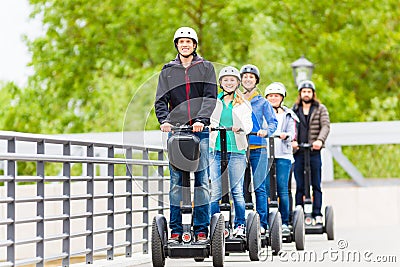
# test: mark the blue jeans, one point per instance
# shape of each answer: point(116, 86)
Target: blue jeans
point(236, 169)
point(315, 164)
point(282, 183)
point(201, 214)
point(258, 161)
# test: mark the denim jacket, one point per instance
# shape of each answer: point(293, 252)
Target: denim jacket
point(263, 118)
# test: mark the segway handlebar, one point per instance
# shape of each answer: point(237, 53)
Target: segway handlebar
point(305, 145)
point(273, 136)
point(182, 128)
point(190, 127)
point(221, 128)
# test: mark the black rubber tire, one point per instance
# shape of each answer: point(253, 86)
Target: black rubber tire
point(157, 246)
point(299, 231)
point(295, 213)
point(275, 233)
point(329, 223)
point(198, 259)
point(218, 243)
point(254, 238)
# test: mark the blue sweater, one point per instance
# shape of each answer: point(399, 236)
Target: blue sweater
point(263, 118)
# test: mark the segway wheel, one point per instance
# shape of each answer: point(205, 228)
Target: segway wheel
point(218, 243)
point(198, 259)
point(254, 237)
point(298, 228)
point(329, 223)
point(276, 233)
point(157, 241)
point(295, 213)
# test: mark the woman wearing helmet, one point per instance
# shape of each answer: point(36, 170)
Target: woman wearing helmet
point(275, 93)
point(231, 110)
point(262, 112)
point(186, 95)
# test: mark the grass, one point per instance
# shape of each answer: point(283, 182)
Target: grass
point(373, 161)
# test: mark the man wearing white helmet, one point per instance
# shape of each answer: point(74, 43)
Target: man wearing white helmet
point(231, 110)
point(264, 124)
point(275, 93)
point(186, 95)
point(313, 128)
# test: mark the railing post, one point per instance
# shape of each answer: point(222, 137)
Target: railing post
point(110, 217)
point(40, 205)
point(67, 206)
point(146, 202)
point(11, 205)
point(128, 221)
point(161, 183)
point(89, 205)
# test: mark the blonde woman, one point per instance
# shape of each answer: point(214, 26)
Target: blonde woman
point(231, 110)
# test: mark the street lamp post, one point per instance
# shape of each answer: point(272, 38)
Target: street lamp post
point(302, 70)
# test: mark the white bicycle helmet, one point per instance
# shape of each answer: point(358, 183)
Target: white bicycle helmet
point(185, 32)
point(275, 88)
point(229, 71)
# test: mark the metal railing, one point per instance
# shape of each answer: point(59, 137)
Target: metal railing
point(356, 134)
point(105, 213)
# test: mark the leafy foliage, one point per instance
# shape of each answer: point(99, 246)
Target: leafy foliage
point(95, 56)
point(97, 63)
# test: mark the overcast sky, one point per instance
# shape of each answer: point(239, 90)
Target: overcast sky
point(14, 22)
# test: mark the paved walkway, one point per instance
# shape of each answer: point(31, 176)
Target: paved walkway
point(367, 233)
point(354, 246)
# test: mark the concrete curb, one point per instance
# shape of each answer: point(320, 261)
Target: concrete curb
point(120, 261)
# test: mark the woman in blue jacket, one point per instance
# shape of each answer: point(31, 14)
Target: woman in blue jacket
point(264, 123)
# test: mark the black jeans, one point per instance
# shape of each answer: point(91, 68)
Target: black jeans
point(315, 164)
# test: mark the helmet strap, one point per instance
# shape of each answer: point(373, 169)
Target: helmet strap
point(227, 93)
point(192, 54)
point(277, 108)
point(248, 90)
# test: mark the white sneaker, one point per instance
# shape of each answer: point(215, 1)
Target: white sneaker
point(239, 231)
point(285, 230)
point(262, 230)
point(318, 220)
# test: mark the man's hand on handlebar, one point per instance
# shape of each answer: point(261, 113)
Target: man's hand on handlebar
point(198, 127)
point(317, 145)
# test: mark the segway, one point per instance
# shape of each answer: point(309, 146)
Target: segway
point(310, 226)
point(297, 230)
point(252, 240)
point(184, 154)
point(273, 236)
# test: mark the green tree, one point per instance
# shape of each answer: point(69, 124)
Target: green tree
point(94, 57)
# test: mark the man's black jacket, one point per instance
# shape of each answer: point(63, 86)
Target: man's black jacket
point(186, 95)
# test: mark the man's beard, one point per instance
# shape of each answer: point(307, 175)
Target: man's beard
point(307, 101)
